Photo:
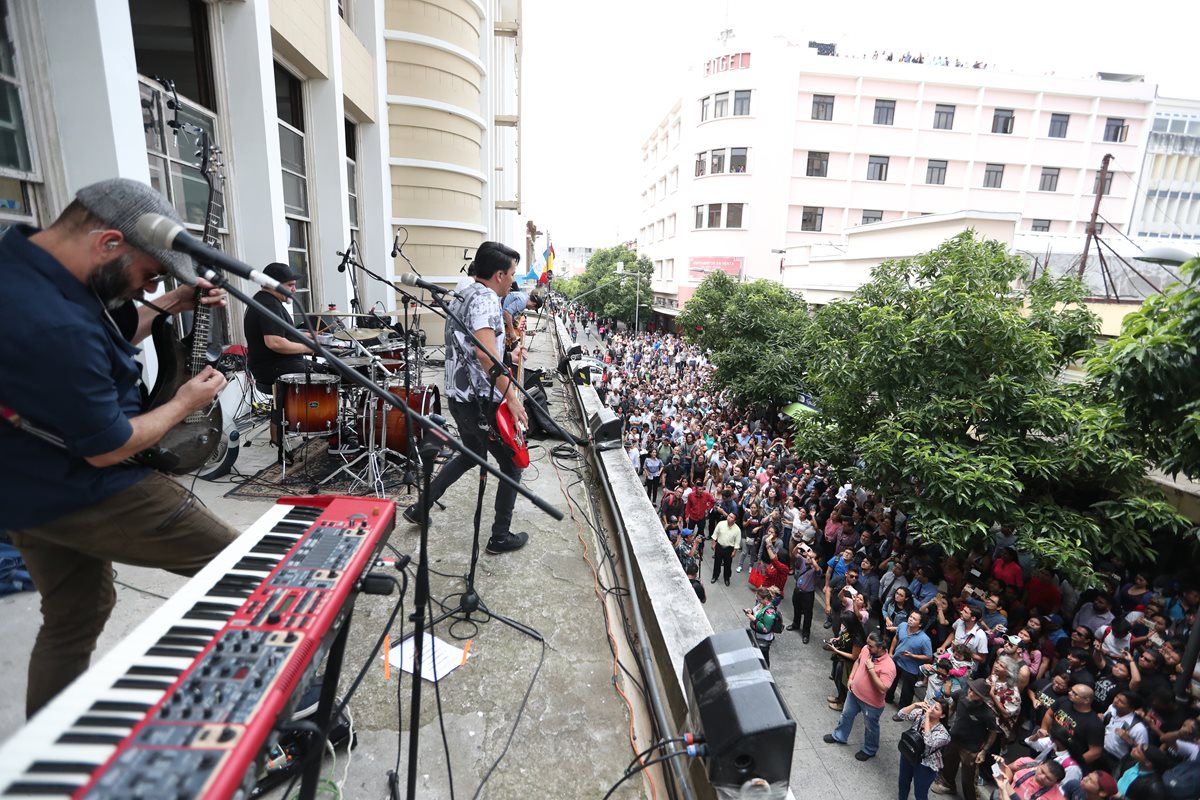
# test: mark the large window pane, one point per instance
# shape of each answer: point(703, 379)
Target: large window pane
point(714, 215)
point(189, 193)
point(291, 150)
point(733, 215)
point(295, 194)
point(152, 122)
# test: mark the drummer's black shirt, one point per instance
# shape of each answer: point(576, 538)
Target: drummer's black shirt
point(265, 364)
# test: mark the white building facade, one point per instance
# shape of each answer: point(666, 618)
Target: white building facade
point(772, 149)
point(337, 120)
point(1168, 204)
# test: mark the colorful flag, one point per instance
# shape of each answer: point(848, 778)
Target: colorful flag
point(548, 267)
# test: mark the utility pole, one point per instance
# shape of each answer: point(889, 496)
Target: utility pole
point(1091, 227)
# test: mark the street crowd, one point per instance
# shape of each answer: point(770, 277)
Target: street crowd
point(1008, 680)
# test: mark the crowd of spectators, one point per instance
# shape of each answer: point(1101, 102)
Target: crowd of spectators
point(919, 58)
point(1008, 676)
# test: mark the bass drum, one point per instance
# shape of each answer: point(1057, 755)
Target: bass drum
point(391, 426)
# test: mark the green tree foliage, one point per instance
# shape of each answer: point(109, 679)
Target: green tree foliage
point(938, 384)
point(613, 296)
point(1153, 369)
point(752, 332)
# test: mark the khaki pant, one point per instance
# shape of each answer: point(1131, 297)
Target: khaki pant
point(154, 523)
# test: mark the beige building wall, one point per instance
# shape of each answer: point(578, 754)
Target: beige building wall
point(358, 76)
point(437, 117)
point(299, 32)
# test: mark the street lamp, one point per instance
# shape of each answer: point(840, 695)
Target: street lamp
point(1165, 254)
point(637, 293)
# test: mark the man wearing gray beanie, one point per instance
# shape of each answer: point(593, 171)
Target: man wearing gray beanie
point(67, 345)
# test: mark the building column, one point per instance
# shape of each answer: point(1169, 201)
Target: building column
point(325, 122)
point(89, 53)
point(255, 182)
point(374, 174)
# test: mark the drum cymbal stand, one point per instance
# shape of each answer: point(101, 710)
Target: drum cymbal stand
point(375, 452)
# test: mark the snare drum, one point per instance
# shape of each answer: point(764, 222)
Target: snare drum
point(391, 428)
point(310, 402)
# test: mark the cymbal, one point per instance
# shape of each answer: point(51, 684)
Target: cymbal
point(357, 333)
point(353, 314)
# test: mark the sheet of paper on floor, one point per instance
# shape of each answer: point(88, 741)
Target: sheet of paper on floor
point(438, 658)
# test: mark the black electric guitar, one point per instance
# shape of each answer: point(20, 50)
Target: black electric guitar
point(188, 445)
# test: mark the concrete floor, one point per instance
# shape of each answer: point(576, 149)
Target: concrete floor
point(572, 740)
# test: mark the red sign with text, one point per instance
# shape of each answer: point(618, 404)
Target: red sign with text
point(699, 266)
point(726, 63)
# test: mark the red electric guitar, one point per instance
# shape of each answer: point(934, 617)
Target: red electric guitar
point(510, 432)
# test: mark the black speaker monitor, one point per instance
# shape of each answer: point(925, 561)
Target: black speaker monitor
point(605, 428)
point(734, 702)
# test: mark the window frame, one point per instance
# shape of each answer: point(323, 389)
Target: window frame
point(1004, 121)
point(716, 158)
point(698, 217)
point(991, 170)
point(931, 171)
point(1108, 182)
point(745, 160)
point(741, 216)
point(1044, 227)
point(824, 102)
point(738, 96)
point(721, 105)
point(704, 109)
point(1053, 131)
point(876, 214)
point(888, 107)
point(720, 209)
point(823, 162)
point(1049, 175)
point(812, 218)
point(940, 114)
point(1116, 133)
point(701, 164)
point(878, 166)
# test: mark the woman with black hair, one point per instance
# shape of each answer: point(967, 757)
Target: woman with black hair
point(844, 648)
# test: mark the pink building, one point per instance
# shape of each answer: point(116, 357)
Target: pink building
point(773, 147)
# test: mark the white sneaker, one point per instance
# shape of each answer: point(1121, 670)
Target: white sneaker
point(739, 569)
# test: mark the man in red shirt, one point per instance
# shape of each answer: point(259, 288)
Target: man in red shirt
point(1007, 569)
point(870, 678)
point(1042, 596)
point(696, 509)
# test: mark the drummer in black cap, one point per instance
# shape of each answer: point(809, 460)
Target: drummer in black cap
point(268, 350)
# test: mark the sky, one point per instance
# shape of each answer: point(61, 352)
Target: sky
point(599, 77)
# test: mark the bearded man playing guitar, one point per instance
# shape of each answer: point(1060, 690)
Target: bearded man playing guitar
point(475, 386)
point(76, 504)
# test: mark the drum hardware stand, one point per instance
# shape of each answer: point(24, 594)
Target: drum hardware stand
point(371, 474)
point(438, 436)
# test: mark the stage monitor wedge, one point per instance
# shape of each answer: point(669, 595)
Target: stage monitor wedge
point(734, 702)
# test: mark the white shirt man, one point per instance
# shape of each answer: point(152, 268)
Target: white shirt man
point(1120, 717)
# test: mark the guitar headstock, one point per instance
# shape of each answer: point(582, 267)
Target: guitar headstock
point(210, 164)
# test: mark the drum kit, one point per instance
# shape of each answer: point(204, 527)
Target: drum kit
point(318, 405)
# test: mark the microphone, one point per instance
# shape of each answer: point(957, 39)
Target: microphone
point(163, 232)
point(345, 257)
point(396, 244)
point(411, 279)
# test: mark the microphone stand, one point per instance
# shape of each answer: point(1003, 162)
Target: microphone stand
point(469, 600)
point(435, 434)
